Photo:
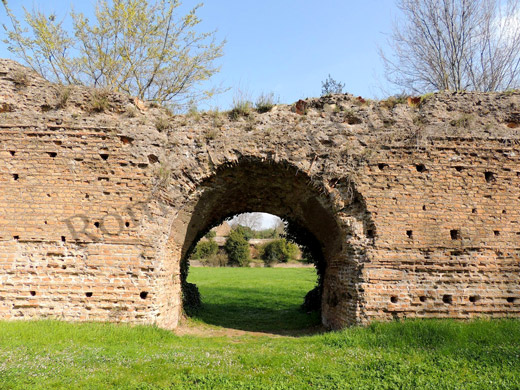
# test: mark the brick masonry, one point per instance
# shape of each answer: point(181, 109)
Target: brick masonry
point(415, 206)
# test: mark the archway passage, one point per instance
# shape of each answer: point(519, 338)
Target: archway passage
point(282, 190)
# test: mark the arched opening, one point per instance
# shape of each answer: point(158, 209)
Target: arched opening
point(253, 276)
point(329, 221)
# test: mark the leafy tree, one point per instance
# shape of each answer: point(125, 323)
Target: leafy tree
point(455, 45)
point(210, 235)
point(331, 86)
point(205, 249)
point(279, 251)
point(245, 231)
point(237, 249)
point(134, 46)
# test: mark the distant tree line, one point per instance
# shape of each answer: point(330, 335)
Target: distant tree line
point(237, 250)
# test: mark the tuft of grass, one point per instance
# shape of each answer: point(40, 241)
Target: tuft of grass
point(99, 101)
point(464, 121)
point(216, 118)
point(20, 79)
point(211, 134)
point(240, 109)
point(426, 97)
point(194, 113)
point(162, 123)
point(63, 96)
point(393, 101)
point(265, 102)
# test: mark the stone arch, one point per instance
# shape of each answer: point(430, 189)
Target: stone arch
point(330, 215)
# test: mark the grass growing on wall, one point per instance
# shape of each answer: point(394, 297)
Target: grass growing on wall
point(427, 354)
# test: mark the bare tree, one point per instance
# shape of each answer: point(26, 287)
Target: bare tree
point(250, 220)
point(135, 46)
point(455, 45)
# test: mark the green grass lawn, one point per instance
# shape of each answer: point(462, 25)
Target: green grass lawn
point(255, 299)
point(398, 355)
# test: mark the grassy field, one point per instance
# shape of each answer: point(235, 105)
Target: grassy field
point(398, 355)
point(255, 299)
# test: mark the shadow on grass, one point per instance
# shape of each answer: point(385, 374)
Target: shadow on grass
point(256, 310)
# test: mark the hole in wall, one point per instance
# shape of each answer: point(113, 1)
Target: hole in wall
point(16, 238)
point(474, 298)
point(127, 224)
point(153, 158)
point(63, 267)
point(12, 152)
point(143, 294)
point(57, 143)
point(88, 294)
point(126, 140)
point(409, 233)
point(459, 168)
point(33, 293)
point(52, 154)
point(15, 176)
point(382, 166)
point(393, 299)
point(420, 168)
point(496, 233)
point(87, 196)
point(142, 165)
point(510, 299)
point(422, 298)
point(370, 233)
point(424, 207)
point(447, 298)
point(474, 211)
point(489, 176)
point(103, 156)
point(96, 224)
point(63, 238)
point(455, 234)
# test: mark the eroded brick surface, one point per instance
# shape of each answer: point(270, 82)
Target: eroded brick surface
point(416, 208)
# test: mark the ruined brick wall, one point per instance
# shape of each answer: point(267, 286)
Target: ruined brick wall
point(415, 205)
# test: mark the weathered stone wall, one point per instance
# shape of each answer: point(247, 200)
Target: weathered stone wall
point(415, 205)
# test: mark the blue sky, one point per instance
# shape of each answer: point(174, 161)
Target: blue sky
point(286, 47)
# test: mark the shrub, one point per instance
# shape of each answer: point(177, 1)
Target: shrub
point(312, 300)
point(331, 86)
point(245, 231)
point(205, 249)
point(237, 249)
point(265, 102)
point(190, 297)
point(216, 260)
point(279, 251)
point(211, 234)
